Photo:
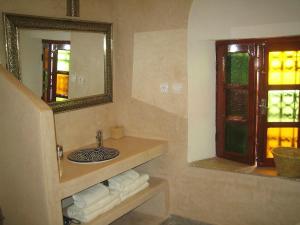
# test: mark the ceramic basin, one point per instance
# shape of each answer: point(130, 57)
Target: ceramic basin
point(93, 155)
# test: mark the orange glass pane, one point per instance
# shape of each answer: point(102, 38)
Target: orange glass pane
point(62, 84)
point(281, 137)
point(284, 67)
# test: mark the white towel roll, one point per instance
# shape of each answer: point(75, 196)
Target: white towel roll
point(90, 195)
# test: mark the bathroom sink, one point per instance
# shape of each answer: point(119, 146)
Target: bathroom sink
point(93, 155)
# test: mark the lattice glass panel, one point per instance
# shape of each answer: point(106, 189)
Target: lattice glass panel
point(236, 137)
point(284, 67)
point(63, 60)
point(237, 67)
point(283, 106)
point(281, 137)
point(62, 84)
point(237, 103)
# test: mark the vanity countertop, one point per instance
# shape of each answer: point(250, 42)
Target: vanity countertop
point(133, 152)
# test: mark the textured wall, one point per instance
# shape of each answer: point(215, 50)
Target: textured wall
point(26, 137)
point(144, 107)
point(145, 60)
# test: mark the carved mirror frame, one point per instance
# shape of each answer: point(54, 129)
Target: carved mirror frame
point(14, 22)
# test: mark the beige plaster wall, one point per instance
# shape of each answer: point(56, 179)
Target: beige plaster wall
point(87, 64)
point(27, 139)
point(31, 63)
point(151, 44)
point(146, 109)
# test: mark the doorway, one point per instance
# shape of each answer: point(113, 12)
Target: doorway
point(258, 86)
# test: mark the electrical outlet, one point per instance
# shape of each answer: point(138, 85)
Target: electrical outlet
point(164, 88)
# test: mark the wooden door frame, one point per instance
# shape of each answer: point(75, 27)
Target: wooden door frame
point(261, 81)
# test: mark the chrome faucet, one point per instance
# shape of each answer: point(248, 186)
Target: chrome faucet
point(99, 138)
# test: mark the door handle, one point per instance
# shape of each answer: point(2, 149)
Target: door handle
point(263, 106)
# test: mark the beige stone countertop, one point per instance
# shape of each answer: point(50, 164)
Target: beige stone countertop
point(133, 152)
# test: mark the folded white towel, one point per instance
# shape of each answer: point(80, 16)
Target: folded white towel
point(123, 180)
point(95, 206)
point(126, 195)
point(132, 174)
point(81, 215)
point(90, 195)
point(132, 186)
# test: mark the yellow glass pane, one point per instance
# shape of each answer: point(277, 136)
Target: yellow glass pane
point(281, 137)
point(62, 84)
point(284, 67)
point(275, 77)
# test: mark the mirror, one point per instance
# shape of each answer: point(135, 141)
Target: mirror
point(65, 62)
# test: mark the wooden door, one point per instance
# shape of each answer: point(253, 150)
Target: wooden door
point(236, 101)
point(279, 89)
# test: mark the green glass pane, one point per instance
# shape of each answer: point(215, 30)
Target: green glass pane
point(63, 55)
point(237, 66)
point(236, 137)
point(237, 102)
point(63, 60)
point(63, 65)
point(283, 106)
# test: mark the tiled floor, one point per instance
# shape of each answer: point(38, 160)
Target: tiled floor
point(135, 218)
point(177, 220)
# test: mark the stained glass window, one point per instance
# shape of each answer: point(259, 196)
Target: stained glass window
point(283, 136)
point(236, 137)
point(63, 60)
point(237, 67)
point(283, 106)
point(62, 80)
point(237, 103)
point(237, 75)
point(284, 67)
point(62, 84)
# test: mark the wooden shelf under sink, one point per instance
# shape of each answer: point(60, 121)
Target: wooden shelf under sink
point(156, 185)
point(133, 152)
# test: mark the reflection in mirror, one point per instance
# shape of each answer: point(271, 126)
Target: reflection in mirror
point(62, 65)
point(67, 63)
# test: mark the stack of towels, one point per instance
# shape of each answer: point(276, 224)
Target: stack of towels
point(128, 183)
point(90, 203)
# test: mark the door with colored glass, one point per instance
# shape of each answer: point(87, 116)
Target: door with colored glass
point(279, 89)
point(236, 99)
point(56, 67)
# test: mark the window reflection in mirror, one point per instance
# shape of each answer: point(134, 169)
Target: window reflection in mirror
point(62, 65)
